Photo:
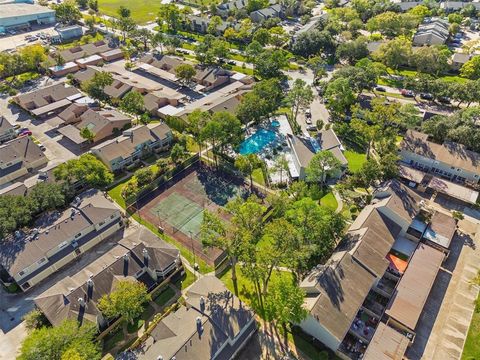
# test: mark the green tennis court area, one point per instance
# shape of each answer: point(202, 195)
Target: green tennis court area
point(180, 213)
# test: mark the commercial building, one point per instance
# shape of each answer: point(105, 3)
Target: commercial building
point(134, 144)
point(23, 15)
point(141, 256)
point(58, 239)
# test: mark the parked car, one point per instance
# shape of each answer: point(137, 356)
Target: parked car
point(426, 96)
point(231, 62)
point(444, 100)
point(380, 88)
point(407, 93)
point(42, 147)
point(25, 133)
point(311, 128)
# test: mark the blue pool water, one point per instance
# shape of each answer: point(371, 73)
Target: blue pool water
point(275, 123)
point(257, 142)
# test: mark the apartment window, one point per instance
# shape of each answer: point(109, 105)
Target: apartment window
point(25, 286)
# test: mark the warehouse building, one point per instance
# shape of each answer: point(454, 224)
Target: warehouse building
point(23, 15)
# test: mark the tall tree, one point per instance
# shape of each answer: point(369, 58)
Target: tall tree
point(300, 96)
point(185, 73)
point(86, 168)
point(245, 226)
point(87, 134)
point(284, 304)
point(133, 103)
point(51, 343)
point(128, 299)
point(95, 87)
point(322, 165)
point(247, 165)
point(67, 12)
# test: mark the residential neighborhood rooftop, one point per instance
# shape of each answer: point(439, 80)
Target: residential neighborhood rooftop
point(412, 291)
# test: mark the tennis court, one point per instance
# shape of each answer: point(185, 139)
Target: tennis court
point(178, 206)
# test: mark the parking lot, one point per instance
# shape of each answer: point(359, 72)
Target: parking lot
point(11, 42)
point(57, 150)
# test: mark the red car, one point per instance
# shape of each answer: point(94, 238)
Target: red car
point(407, 93)
point(26, 133)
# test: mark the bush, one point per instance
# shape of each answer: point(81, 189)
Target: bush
point(144, 176)
point(35, 319)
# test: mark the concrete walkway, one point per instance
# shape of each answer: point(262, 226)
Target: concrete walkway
point(444, 324)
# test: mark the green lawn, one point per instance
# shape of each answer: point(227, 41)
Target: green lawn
point(471, 350)
point(355, 159)
point(187, 279)
point(138, 322)
point(245, 287)
point(165, 296)
point(257, 176)
point(143, 11)
point(329, 201)
point(112, 339)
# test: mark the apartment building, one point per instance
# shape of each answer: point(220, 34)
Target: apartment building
point(134, 144)
point(141, 256)
point(7, 131)
point(18, 158)
point(214, 325)
point(380, 275)
point(102, 124)
point(449, 160)
point(58, 239)
point(48, 100)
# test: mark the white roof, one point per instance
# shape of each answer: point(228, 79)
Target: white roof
point(88, 59)
point(170, 110)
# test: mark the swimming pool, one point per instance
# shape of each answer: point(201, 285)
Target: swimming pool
point(257, 142)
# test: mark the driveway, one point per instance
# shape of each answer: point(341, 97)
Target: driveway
point(444, 323)
point(57, 151)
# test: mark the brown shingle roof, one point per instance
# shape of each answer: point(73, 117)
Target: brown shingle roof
point(343, 288)
point(61, 301)
point(123, 146)
point(375, 241)
point(450, 153)
point(23, 149)
point(45, 96)
point(386, 344)
point(18, 254)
